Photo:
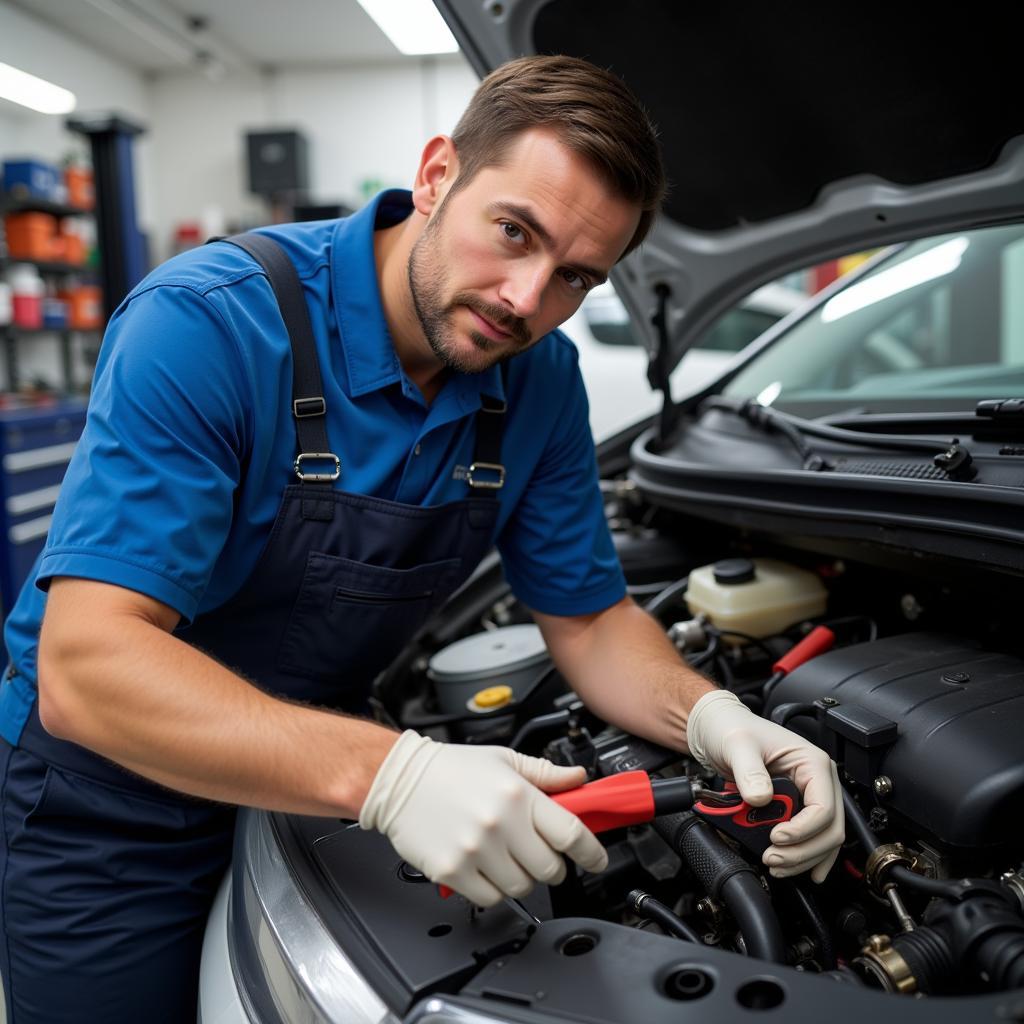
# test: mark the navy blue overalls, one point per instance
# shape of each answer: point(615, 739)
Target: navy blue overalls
point(107, 878)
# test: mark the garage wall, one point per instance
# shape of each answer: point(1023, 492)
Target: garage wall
point(364, 123)
point(99, 84)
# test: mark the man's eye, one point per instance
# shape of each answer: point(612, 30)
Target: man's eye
point(512, 232)
point(574, 281)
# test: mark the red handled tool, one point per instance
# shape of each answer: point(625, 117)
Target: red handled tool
point(634, 798)
point(629, 798)
point(751, 826)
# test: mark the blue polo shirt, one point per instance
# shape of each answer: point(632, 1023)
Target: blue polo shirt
point(190, 440)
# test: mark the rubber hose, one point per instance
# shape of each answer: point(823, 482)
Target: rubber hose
point(726, 875)
point(654, 910)
point(784, 712)
point(930, 886)
point(930, 959)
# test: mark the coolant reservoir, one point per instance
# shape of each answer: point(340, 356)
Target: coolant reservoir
point(759, 596)
point(473, 673)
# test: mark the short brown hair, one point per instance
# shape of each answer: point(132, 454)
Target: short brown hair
point(594, 113)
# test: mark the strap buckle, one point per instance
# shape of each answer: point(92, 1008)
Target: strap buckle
point(303, 408)
point(486, 485)
point(317, 478)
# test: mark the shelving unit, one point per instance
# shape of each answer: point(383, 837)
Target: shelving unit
point(32, 204)
point(12, 334)
point(49, 268)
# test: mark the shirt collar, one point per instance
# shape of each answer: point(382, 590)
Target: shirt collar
point(366, 344)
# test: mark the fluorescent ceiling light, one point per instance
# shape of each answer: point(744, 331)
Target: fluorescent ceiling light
point(414, 26)
point(935, 262)
point(35, 93)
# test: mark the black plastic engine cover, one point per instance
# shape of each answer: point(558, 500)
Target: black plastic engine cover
point(957, 763)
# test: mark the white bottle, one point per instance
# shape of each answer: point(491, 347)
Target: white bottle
point(757, 596)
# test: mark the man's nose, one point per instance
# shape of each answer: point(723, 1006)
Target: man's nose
point(523, 289)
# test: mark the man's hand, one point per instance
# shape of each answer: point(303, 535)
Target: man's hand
point(727, 737)
point(476, 819)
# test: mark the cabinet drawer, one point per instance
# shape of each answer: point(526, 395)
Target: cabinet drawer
point(36, 469)
point(23, 431)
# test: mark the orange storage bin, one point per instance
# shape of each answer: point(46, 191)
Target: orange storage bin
point(85, 306)
point(30, 236)
point(74, 249)
point(81, 191)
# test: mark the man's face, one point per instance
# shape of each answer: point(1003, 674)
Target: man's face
point(509, 256)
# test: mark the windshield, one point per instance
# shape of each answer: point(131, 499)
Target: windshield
point(939, 325)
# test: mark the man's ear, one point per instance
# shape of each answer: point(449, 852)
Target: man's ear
point(439, 167)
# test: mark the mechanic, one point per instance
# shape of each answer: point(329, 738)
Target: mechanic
point(216, 610)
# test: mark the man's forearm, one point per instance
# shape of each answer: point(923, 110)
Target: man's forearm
point(623, 666)
point(139, 696)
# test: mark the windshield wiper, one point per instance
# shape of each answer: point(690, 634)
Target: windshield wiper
point(1001, 409)
point(948, 455)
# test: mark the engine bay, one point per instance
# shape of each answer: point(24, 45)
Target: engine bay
point(907, 672)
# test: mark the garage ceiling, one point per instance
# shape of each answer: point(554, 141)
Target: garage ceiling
point(163, 36)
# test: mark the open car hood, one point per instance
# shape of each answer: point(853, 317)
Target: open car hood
point(792, 133)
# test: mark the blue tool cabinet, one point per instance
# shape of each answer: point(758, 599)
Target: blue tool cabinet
point(35, 447)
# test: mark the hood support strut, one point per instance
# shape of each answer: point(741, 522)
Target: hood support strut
point(658, 369)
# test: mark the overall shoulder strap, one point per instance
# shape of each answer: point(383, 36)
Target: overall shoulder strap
point(315, 463)
point(487, 472)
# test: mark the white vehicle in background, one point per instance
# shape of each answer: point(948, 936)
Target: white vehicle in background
point(614, 362)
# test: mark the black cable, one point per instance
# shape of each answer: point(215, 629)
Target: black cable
point(539, 723)
point(706, 655)
point(644, 590)
point(761, 415)
point(748, 638)
point(858, 823)
point(667, 596)
point(843, 620)
point(947, 889)
point(826, 948)
point(728, 679)
point(767, 419)
point(654, 910)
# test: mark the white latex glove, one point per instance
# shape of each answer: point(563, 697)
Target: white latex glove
point(475, 819)
point(727, 737)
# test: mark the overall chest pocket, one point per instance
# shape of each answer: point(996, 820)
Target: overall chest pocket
point(350, 618)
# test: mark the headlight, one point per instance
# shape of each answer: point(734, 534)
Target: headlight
point(439, 1011)
point(287, 966)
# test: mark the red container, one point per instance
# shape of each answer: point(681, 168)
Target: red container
point(27, 290)
point(28, 310)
